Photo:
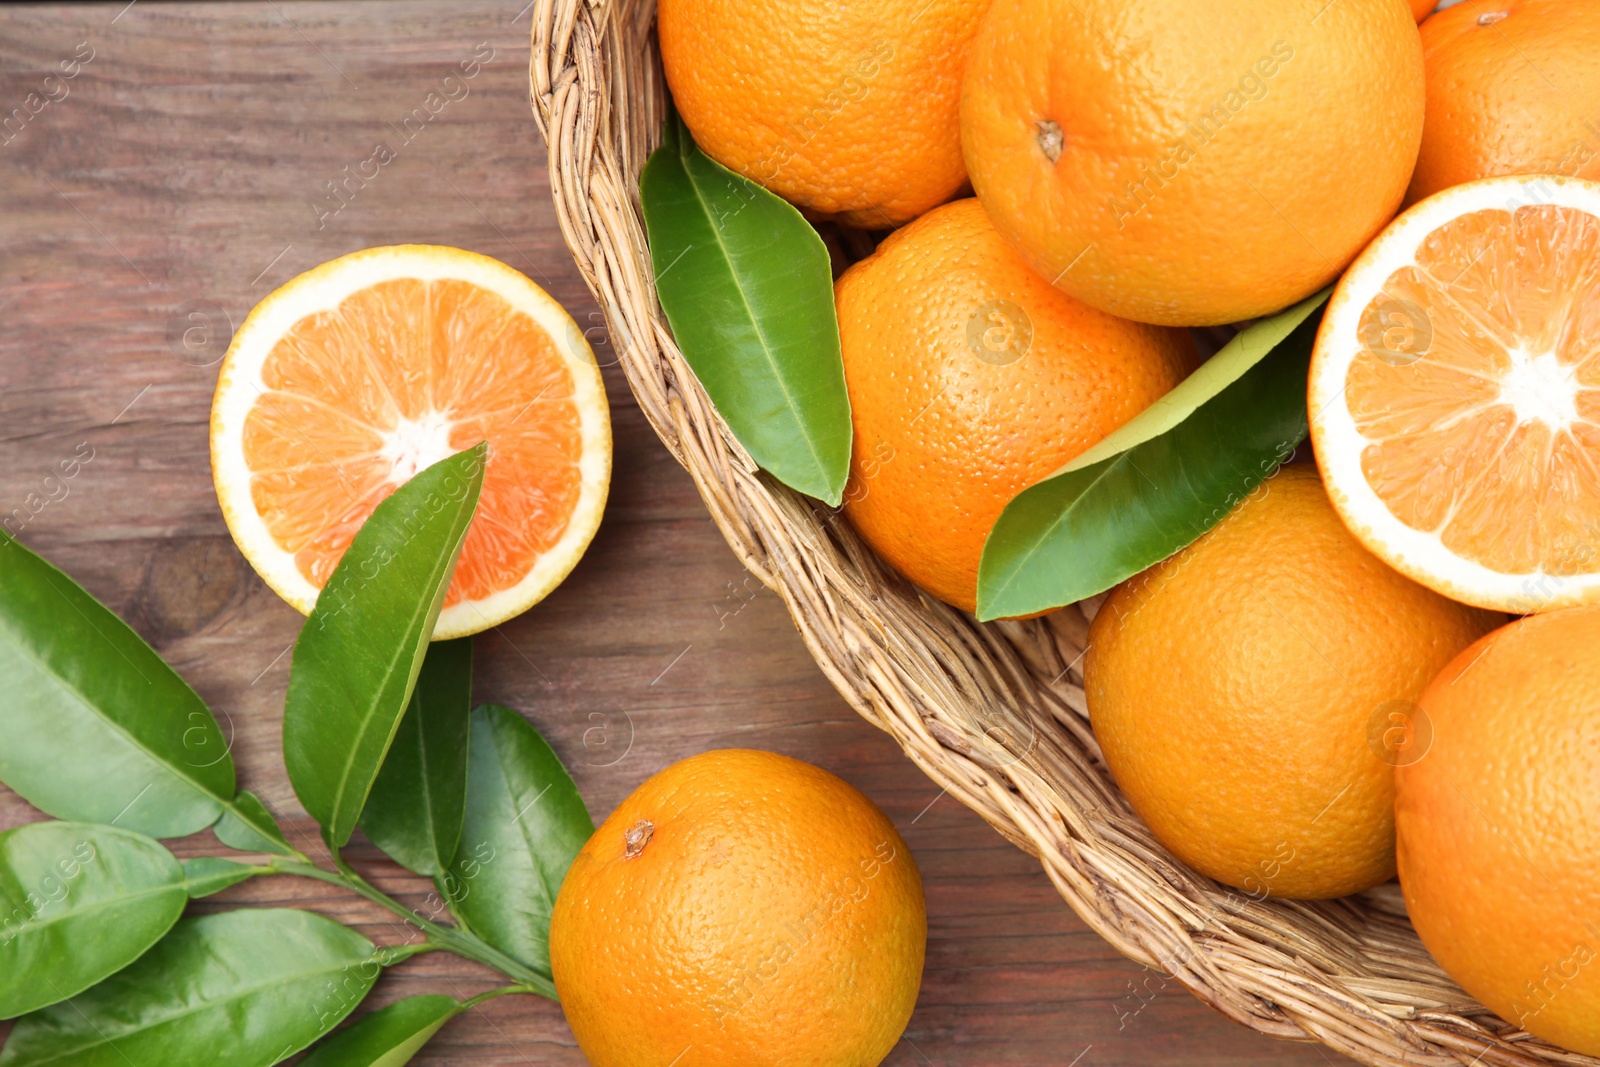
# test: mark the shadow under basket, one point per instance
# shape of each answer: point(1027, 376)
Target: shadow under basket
point(992, 712)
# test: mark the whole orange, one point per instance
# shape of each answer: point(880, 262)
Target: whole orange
point(1421, 9)
point(1499, 845)
point(1250, 694)
point(740, 908)
point(1192, 161)
point(1513, 88)
point(970, 379)
point(843, 109)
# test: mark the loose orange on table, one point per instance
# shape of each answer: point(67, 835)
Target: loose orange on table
point(740, 908)
point(350, 378)
point(1455, 393)
point(970, 379)
point(1513, 88)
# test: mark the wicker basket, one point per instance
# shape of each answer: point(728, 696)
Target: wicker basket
point(992, 712)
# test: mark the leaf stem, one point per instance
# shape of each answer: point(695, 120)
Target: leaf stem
point(445, 937)
point(473, 1002)
point(389, 955)
point(294, 854)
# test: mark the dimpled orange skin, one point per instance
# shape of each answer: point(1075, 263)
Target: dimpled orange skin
point(1218, 159)
point(945, 438)
point(1499, 846)
point(773, 917)
point(1232, 687)
point(1512, 95)
point(843, 109)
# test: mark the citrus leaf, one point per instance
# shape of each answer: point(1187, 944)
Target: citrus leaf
point(1159, 481)
point(414, 812)
point(205, 875)
point(96, 727)
point(244, 988)
point(78, 902)
point(249, 827)
point(524, 824)
point(359, 652)
point(386, 1038)
point(746, 284)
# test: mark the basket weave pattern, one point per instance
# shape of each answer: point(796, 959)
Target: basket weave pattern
point(994, 712)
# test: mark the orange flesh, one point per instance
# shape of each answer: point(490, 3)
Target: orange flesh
point(1477, 386)
point(402, 374)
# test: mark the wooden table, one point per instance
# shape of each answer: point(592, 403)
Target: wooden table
point(183, 173)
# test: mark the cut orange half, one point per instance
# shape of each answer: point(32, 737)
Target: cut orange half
point(349, 379)
point(1455, 393)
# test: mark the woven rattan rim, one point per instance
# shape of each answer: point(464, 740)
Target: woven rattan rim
point(992, 712)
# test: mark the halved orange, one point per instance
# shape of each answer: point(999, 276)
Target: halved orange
point(349, 379)
point(1455, 393)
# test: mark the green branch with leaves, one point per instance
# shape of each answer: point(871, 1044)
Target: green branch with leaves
point(96, 961)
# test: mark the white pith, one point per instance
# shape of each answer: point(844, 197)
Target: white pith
point(412, 444)
point(1540, 388)
point(1537, 388)
point(415, 444)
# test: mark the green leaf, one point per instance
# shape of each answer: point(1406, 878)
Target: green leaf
point(414, 812)
point(249, 827)
point(78, 902)
point(525, 822)
point(243, 988)
point(387, 1038)
point(746, 284)
point(96, 727)
point(360, 650)
point(1159, 481)
point(205, 875)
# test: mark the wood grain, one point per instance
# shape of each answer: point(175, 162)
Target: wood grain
point(184, 171)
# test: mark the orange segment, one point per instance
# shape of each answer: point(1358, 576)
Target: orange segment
point(311, 505)
point(464, 326)
point(542, 378)
point(351, 378)
point(287, 431)
point(1455, 394)
point(530, 489)
point(1470, 262)
point(385, 326)
point(319, 360)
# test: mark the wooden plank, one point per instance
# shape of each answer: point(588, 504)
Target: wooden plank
point(182, 173)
